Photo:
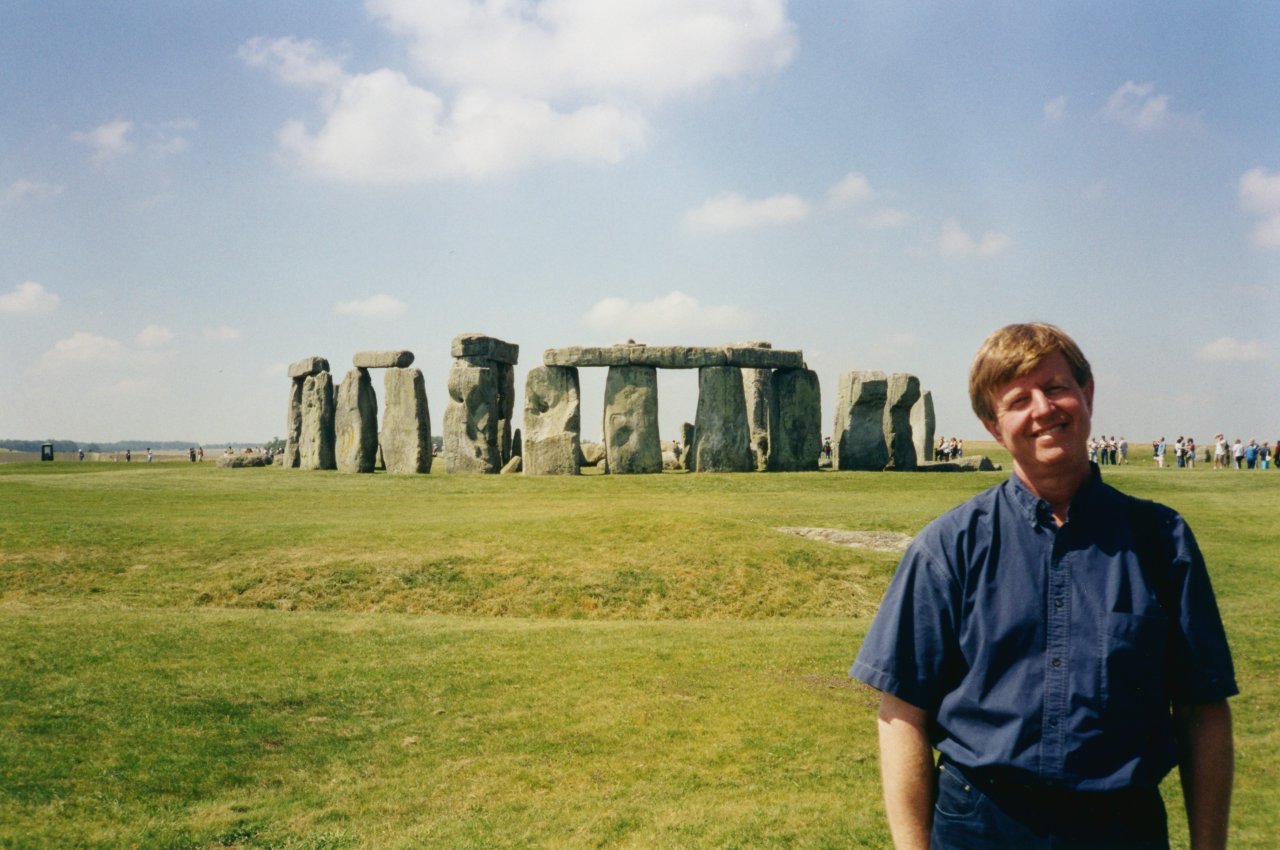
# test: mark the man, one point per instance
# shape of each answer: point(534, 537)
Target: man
point(1056, 641)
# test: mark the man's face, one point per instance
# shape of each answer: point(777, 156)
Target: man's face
point(1043, 419)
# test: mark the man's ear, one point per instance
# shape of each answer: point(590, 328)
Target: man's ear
point(1087, 389)
point(993, 428)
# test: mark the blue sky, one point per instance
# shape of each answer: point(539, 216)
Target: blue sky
point(193, 195)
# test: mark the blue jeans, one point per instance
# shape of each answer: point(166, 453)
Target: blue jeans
point(980, 813)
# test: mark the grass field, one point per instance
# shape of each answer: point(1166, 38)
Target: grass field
point(255, 658)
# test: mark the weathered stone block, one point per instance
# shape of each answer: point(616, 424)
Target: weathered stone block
point(859, 441)
point(406, 423)
point(487, 347)
point(308, 366)
point(471, 421)
point(686, 445)
point(721, 438)
point(552, 421)
point(902, 394)
point(293, 425)
point(757, 391)
point(795, 421)
point(382, 359)
point(315, 445)
point(632, 442)
point(356, 423)
point(923, 424)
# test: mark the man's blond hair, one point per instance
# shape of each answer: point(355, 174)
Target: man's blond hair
point(1015, 350)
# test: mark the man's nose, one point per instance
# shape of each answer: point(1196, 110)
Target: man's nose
point(1040, 403)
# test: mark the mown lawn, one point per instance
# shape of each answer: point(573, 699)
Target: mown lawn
point(203, 658)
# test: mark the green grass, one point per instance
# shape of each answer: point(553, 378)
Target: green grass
point(203, 658)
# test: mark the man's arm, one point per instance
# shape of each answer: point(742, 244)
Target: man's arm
point(906, 770)
point(1206, 764)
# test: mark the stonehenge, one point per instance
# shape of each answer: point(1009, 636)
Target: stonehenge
point(758, 409)
point(336, 427)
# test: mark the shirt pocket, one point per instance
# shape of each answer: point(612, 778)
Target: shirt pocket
point(1133, 661)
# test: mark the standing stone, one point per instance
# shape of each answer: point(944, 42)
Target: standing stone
point(308, 366)
point(293, 424)
point(552, 435)
point(471, 421)
point(631, 439)
point(795, 421)
point(756, 390)
point(405, 441)
point(356, 423)
point(923, 425)
point(686, 446)
point(903, 393)
point(315, 444)
point(722, 437)
point(859, 441)
point(506, 407)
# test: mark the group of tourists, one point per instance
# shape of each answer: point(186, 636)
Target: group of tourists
point(1108, 451)
point(1223, 455)
point(948, 449)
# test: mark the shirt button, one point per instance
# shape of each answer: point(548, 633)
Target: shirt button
point(1057, 603)
point(1057, 662)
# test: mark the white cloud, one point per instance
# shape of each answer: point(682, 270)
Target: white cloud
point(1231, 350)
point(108, 141)
point(1138, 107)
point(624, 49)
point(517, 84)
point(223, 333)
point(956, 242)
point(374, 307)
point(28, 299)
point(1260, 193)
point(28, 188)
point(153, 336)
point(1055, 110)
point(853, 189)
point(673, 313)
point(85, 349)
point(731, 211)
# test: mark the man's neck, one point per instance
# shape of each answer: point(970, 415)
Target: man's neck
point(1057, 488)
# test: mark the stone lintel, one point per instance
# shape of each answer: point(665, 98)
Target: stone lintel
point(675, 356)
point(308, 366)
point(382, 359)
point(488, 347)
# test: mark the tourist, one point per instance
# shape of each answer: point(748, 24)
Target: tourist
point(1158, 448)
point(1178, 452)
point(1264, 455)
point(1189, 451)
point(1017, 639)
point(826, 448)
point(81, 454)
point(150, 456)
point(1237, 453)
point(941, 452)
point(1124, 450)
point(1251, 454)
point(1219, 452)
point(128, 456)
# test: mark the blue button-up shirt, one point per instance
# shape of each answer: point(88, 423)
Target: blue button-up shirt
point(1046, 652)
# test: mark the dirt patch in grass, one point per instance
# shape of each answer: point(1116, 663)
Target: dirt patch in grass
point(879, 541)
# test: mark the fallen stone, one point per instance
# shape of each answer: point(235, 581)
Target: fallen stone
point(879, 541)
point(382, 359)
point(631, 439)
point(238, 461)
point(308, 366)
point(593, 454)
point(721, 438)
point(969, 463)
point(405, 440)
point(552, 421)
point(795, 421)
point(356, 423)
point(511, 466)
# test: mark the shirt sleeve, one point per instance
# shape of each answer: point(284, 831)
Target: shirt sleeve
point(912, 640)
point(1203, 669)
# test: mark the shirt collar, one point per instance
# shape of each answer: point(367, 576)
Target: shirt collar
point(1038, 512)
